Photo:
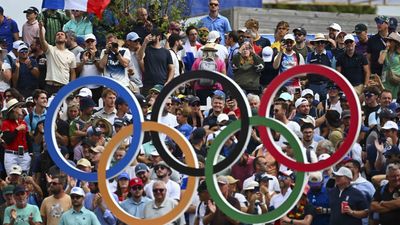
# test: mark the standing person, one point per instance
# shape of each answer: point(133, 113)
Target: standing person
point(247, 67)
point(5, 73)
point(39, 55)
point(53, 21)
point(79, 24)
point(282, 28)
point(25, 72)
point(158, 64)
point(354, 66)
point(72, 43)
point(215, 21)
point(253, 26)
point(56, 204)
point(78, 213)
point(300, 35)
point(61, 62)
point(7, 192)
point(286, 59)
point(21, 212)
point(143, 26)
point(348, 204)
point(176, 45)
point(384, 201)
point(8, 30)
point(161, 203)
point(391, 63)
point(191, 47)
point(377, 43)
point(361, 30)
point(233, 49)
point(30, 29)
point(115, 60)
point(15, 136)
point(136, 203)
point(136, 66)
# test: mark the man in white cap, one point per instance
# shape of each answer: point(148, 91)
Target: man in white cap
point(215, 37)
point(134, 69)
point(354, 66)
point(333, 30)
point(390, 130)
point(78, 213)
point(286, 59)
point(87, 64)
point(348, 204)
point(269, 73)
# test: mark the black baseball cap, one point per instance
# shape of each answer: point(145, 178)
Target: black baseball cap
point(360, 28)
point(301, 30)
point(31, 10)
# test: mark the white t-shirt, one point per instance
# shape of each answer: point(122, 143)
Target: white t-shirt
point(114, 69)
point(273, 185)
point(4, 85)
point(88, 69)
point(175, 61)
point(59, 64)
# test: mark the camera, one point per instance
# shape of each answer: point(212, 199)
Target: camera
point(114, 45)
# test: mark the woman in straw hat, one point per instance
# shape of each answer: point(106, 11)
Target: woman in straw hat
point(390, 57)
point(15, 136)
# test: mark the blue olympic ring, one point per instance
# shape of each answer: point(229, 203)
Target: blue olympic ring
point(52, 111)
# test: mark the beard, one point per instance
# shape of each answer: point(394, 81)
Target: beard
point(180, 47)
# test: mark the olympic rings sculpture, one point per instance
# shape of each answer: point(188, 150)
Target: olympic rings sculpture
point(211, 166)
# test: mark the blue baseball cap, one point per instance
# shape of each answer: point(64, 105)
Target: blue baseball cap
point(132, 36)
point(219, 93)
point(124, 175)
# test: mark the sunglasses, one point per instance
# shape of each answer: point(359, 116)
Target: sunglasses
point(379, 22)
point(101, 125)
point(348, 42)
point(23, 51)
point(319, 42)
point(160, 167)
point(280, 177)
point(90, 41)
point(135, 188)
point(196, 105)
point(214, 4)
point(140, 174)
point(158, 190)
point(298, 34)
point(368, 94)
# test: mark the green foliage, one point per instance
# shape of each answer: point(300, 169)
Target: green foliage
point(357, 9)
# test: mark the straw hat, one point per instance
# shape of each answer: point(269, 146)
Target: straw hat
point(10, 105)
point(210, 47)
point(394, 36)
point(319, 37)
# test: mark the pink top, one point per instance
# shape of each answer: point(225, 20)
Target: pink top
point(220, 68)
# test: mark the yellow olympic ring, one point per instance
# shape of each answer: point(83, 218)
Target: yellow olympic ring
point(191, 185)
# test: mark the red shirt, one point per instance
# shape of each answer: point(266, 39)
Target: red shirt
point(11, 125)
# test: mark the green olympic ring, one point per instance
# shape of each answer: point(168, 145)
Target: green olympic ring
point(215, 193)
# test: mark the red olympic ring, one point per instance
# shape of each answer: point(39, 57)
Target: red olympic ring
point(355, 110)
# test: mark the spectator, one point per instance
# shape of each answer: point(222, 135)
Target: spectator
point(78, 213)
point(135, 205)
point(309, 144)
point(143, 26)
point(282, 28)
point(269, 73)
point(161, 203)
point(176, 45)
point(158, 65)
point(182, 115)
point(21, 211)
point(354, 66)
point(253, 25)
point(5, 74)
point(9, 31)
point(94, 202)
point(391, 62)
point(384, 201)
point(79, 24)
point(254, 198)
point(25, 72)
point(61, 62)
point(303, 212)
point(286, 180)
point(115, 60)
point(348, 204)
point(38, 54)
point(191, 47)
point(376, 44)
point(215, 21)
point(318, 197)
point(247, 66)
point(233, 48)
point(7, 192)
point(215, 38)
point(78, 128)
point(361, 30)
point(53, 21)
point(108, 112)
point(72, 43)
point(300, 35)
point(30, 29)
point(196, 117)
point(334, 30)
point(136, 66)
point(54, 206)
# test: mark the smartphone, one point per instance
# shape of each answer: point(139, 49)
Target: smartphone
point(20, 150)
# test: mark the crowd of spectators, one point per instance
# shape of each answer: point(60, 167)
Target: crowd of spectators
point(55, 49)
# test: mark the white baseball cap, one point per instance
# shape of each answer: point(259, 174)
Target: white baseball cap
point(300, 101)
point(307, 92)
point(335, 26)
point(213, 36)
point(390, 125)
point(289, 37)
point(349, 37)
point(344, 171)
point(267, 54)
point(90, 36)
point(222, 117)
point(286, 96)
point(77, 191)
point(323, 156)
point(250, 185)
point(85, 92)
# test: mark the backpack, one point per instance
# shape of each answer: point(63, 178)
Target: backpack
point(209, 65)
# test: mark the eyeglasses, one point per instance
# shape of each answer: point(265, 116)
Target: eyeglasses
point(195, 105)
point(23, 51)
point(101, 125)
point(319, 42)
point(368, 94)
point(75, 196)
point(54, 183)
point(89, 41)
point(379, 22)
point(214, 4)
point(158, 190)
point(348, 42)
point(140, 174)
point(159, 167)
point(168, 104)
point(280, 177)
point(298, 34)
point(137, 187)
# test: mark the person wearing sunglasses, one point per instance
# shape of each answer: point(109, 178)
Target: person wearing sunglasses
point(79, 23)
point(78, 214)
point(161, 204)
point(354, 66)
point(376, 44)
point(57, 203)
point(163, 173)
point(136, 203)
point(215, 21)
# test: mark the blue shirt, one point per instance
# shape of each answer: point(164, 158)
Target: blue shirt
point(7, 28)
point(233, 50)
point(319, 199)
point(104, 218)
point(83, 217)
point(185, 129)
point(220, 24)
point(135, 209)
point(35, 119)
